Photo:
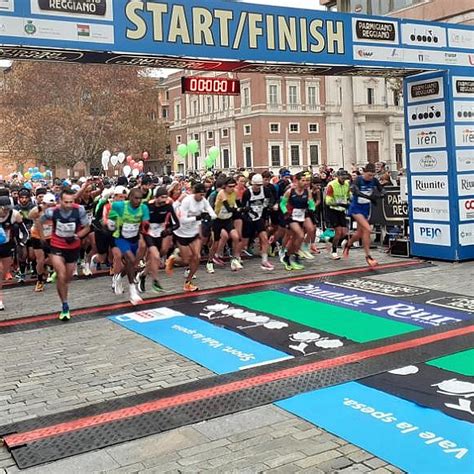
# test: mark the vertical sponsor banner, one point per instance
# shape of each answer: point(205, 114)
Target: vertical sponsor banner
point(432, 165)
point(463, 112)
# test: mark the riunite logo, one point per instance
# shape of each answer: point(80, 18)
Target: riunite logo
point(467, 184)
point(460, 303)
point(382, 288)
point(421, 185)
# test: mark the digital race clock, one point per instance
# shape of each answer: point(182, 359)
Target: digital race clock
point(210, 85)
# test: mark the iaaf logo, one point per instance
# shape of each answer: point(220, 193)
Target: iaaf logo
point(382, 288)
point(363, 53)
point(461, 303)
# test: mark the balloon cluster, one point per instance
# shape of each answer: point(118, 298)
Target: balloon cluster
point(193, 147)
point(131, 168)
point(35, 174)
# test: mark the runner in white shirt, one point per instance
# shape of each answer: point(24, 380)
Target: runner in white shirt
point(194, 209)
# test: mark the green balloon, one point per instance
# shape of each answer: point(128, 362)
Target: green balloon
point(214, 152)
point(182, 150)
point(193, 146)
point(208, 162)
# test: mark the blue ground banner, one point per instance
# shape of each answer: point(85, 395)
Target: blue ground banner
point(416, 439)
point(215, 348)
point(420, 314)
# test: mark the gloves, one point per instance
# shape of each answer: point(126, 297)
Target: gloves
point(205, 217)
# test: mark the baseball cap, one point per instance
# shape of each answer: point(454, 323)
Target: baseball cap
point(284, 172)
point(257, 179)
point(49, 198)
point(120, 190)
point(342, 173)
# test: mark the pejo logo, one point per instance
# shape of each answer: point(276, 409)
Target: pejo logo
point(431, 232)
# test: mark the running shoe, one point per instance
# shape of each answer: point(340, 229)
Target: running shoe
point(39, 286)
point(248, 252)
point(118, 286)
point(335, 256)
point(218, 261)
point(169, 266)
point(187, 271)
point(156, 286)
point(209, 267)
point(135, 298)
point(286, 262)
point(21, 278)
point(281, 254)
point(267, 266)
point(52, 278)
point(371, 261)
point(296, 264)
point(75, 273)
point(306, 254)
point(190, 286)
point(234, 265)
point(64, 315)
point(86, 269)
point(2, 306)
point(140, 280)
point(8, 276)
point(94, 263)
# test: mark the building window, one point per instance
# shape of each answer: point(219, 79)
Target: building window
point(396, 98)
point(247, 129)
point(273, 94)
point(295, 155)
point(293, 96)
point(370, 96)
point(225, 158)
point(164, 112)
point(313, 128)
point(177, 111)
point(225, 132)
point(195, 108)
point(274, 128)
point(294, 128)
point(178, 139)
point(167, 95)
point(275, 155)
point(312, 96)
point(210, 104)
point(210, 134)
point(314, 155)
point(246, 97)
point(399, 155)
point(248, 157)
point(152, 115)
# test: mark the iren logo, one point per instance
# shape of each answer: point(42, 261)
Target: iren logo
point(427, 138)
point(467, 136)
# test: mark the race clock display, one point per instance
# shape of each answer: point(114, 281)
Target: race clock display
point(210, 85)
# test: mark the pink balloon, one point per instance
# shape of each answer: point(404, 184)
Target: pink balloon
point(140, 165)
point(136, 166)
point(145, 155)
point(129, 159)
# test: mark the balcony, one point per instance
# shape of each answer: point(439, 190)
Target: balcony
point(378, 109)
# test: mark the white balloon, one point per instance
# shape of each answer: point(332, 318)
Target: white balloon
point(121, 157)
point(114, 160)
point(106, 154)
point(126, 171)
point(105, 159)
point(135, 172)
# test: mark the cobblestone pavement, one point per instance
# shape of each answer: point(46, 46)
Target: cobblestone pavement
point(63, 367)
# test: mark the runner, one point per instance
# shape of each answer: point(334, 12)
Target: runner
point(25, 252)
point(130, 217)
point(337, 201)
point(163, 222)
point(9, 218)
point(294, 204)
point(41, 237)
point(194, 210)
point(359, 209)
point(255, 201)
point(70, 225)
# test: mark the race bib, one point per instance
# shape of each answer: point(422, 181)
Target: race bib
point(362, 200)
point(155, 230)
point(65, 229)
point(47, 230)
point(89, 218)
point(129, 231)
point(298, 214)
point(258, 210)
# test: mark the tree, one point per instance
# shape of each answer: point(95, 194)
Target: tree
point(63, 114)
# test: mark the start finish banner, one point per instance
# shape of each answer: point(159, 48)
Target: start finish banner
point(237, 36)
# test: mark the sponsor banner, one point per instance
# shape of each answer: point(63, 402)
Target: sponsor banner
point(458, 302)
point(466, 235)
point(430, 210)
point(430, 186)
point(428, 89)
point(7, 5)
point(463, 111)
point(432, 234)
point(93, 9)
point(341, 321)
point(432, 137)
point(465, 160)
point(464, 135)
point(417, 34)
point(391, 210)
point(463, 87)
point(428, 161)
point(415, 439)
point(466, 209)
point(284, 335)
point(466, 185)
point(426, 114)
point(56, 30)
point(368, 30)
point(459, 362)
point(459, 38)
point(432, 57)
point(430, 387)
point(215, 348)
point(385, 307)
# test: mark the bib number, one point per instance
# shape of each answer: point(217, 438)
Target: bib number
point(155, 230)
point(65, 229)
point(362, 200)
point(258, 210)
point(129, 231)
point(298, 215)
point(47, 231)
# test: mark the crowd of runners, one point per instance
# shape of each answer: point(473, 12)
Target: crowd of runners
point(141, 228)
